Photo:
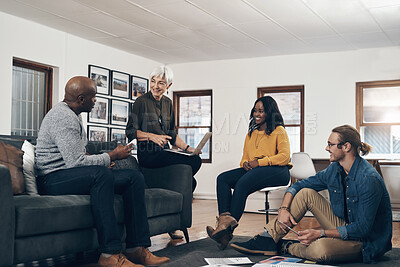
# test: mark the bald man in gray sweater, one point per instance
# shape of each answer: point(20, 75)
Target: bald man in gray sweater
point(64, 167)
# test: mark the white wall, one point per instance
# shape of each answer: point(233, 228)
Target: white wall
point(70, 55)
point(329, 80)
point(391, 176)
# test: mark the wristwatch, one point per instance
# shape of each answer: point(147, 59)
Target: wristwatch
point(322, 233)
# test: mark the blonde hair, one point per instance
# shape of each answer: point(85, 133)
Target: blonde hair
point(350, 134)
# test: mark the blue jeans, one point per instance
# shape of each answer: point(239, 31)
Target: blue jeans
point(244, 183)
point(101, 183)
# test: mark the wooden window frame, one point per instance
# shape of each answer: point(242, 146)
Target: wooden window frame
point(49, 78)
point(360, 107)
point(48, 83)
point(359, 101)
point(288, 89)
point(190, 93)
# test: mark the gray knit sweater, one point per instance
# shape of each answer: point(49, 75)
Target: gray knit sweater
point(61, 142)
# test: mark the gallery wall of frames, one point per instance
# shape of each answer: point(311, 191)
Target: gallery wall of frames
point(116, 93)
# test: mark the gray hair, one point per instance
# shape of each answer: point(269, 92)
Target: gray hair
point(163, 71)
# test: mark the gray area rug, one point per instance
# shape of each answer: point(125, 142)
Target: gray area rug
point(193, 254)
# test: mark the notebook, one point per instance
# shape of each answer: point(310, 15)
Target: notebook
point(197, 149)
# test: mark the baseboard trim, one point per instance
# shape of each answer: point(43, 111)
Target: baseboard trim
point(205, 196)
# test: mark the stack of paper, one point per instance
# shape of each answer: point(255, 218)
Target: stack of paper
point(220, 262)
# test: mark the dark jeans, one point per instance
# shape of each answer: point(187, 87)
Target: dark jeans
point(244, 183)
point(150, 155)
point(101, 183)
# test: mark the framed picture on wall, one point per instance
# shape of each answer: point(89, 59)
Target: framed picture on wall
point(119, 112)
point(119, 135)
point(101, 76)
point(140, 86)
point(120, 84)
point(100, 111)
point(97, 133)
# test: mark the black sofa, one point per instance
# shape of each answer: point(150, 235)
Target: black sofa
point(40, 227)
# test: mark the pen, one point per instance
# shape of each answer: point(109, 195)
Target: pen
point(290, 228)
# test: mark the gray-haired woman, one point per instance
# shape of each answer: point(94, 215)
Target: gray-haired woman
point(152, 123)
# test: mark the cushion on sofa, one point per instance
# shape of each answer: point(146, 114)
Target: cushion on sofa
point(162, 201)
point(29, 168)
point(11, 157)
point(46, 214)
point(12, 141)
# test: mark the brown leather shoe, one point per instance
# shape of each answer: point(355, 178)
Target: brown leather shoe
point(210, 230)
point(223, 231)
point(174, 235)
point(116, 260)
point(222, 239)
point(224, 221)
point(144, 256)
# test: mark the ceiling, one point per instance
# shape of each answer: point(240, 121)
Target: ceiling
point(177, 31)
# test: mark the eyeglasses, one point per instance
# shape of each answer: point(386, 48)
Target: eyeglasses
point(338, 144)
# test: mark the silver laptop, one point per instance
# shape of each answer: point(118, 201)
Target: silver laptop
point(197, 149)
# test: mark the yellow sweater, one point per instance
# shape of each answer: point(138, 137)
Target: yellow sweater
point(273, 149)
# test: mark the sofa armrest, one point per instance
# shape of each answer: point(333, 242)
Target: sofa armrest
point(177, 178)
point(7, 221)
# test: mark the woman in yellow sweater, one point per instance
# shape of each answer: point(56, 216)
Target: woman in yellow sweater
point(265, 162)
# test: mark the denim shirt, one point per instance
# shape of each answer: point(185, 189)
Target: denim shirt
point(368, 205)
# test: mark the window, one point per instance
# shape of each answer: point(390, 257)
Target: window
point(31, 97)
point(378, 116)
point(290, 101)
point(193, 116)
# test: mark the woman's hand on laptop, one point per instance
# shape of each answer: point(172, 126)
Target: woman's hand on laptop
point(191, 150)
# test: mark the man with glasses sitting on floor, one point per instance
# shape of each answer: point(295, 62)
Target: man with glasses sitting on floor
point(356, 223)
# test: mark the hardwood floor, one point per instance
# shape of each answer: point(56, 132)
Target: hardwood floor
point(204, 212)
